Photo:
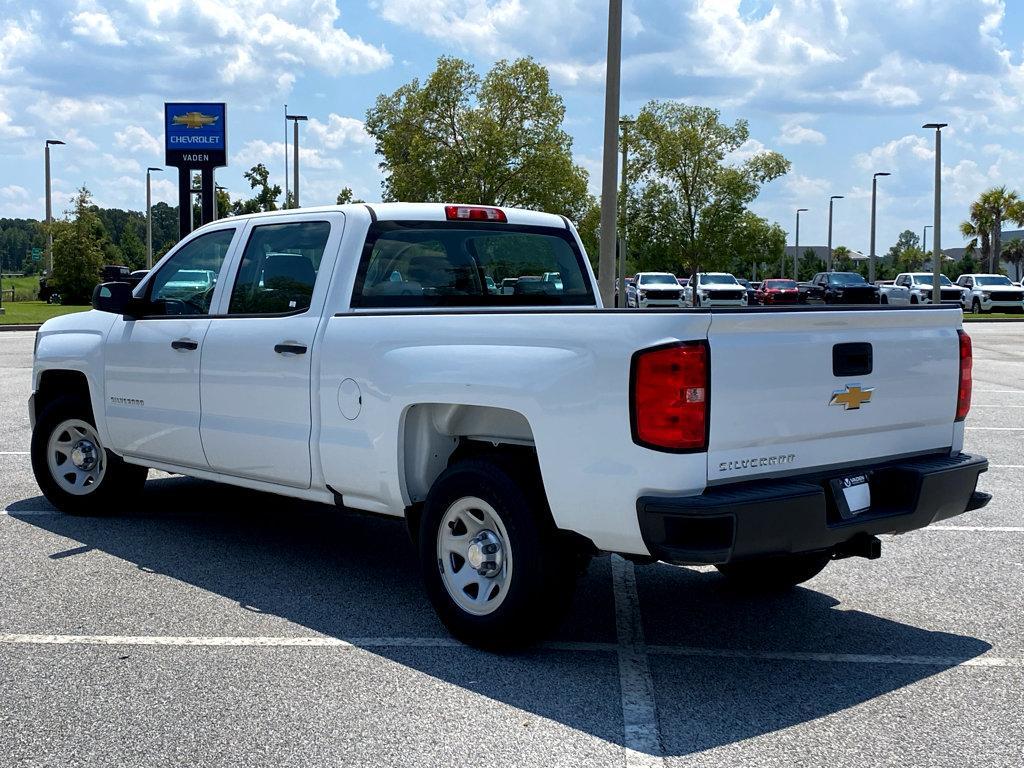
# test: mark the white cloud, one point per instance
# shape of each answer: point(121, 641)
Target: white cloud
point(121, 164)
point(13, 192)
point(135, 138)
point(896, 154)
point(97, 27)
point(272, 153)
point(339, 131)
point(792, 132)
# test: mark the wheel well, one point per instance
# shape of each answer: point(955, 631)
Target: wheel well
point(53, 384)
point(436, 434)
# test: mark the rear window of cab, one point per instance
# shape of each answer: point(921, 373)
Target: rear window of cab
point(470, 264)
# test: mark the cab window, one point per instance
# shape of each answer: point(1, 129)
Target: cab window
point(184, 284)
point(279, 269)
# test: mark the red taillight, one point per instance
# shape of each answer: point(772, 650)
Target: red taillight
point(670, 397)
point(475, 214)
point(963, 394)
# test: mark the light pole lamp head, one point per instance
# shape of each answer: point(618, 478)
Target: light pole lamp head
point(836, 197)
point(936, 126)
point(802, 209)
point(882, 173)
point(296, 117)
point(53, 141)
point(154, 168)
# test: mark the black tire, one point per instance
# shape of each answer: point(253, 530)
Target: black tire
point(884, 299)
point(120, 481)
point(976, 307)
point(913, 299)
point(541, 583)
point(774, 573)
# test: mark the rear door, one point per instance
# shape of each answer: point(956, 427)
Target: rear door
point(258, 353)
point(794, 391)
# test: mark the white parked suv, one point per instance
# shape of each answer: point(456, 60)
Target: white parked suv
point(654, 289)
point(715, 289)
point(356, 356)
point(920, 286)
point(988, 293)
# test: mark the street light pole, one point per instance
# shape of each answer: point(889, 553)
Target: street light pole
point(609, 202)
point(937, 225)
point(874, 196)
point(285, 204)
point(831, 200)
point(924, 238)
point(295, 157)
point(149, 218)
point(49, 209)
point(620, 295)
point(796, 247)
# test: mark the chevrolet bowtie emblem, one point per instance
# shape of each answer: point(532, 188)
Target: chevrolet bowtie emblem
point(851, 397)
point(194, 119)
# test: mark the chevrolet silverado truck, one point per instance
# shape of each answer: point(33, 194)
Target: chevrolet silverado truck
point(990, 293)
point(358, 356)
point(919, 284)
point(714, 289)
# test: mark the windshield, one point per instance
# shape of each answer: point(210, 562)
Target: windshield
point(846, 278)
point(658, 280)
point(924, 277)
point(779, 284)
point(723, 280)
point(992, 280)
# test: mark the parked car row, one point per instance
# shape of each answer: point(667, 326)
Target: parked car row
point(973, 293)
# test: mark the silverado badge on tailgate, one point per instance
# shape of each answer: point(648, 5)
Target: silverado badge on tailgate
point(851, 397)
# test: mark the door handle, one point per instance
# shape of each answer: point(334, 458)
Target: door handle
point(295, 349)
point(184, 344)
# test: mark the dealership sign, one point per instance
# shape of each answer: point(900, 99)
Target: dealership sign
point(195, 135)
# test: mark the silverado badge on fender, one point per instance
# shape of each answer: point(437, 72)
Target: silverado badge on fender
point(851, 397)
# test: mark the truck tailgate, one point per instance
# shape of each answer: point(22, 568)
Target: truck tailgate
point(774, 377)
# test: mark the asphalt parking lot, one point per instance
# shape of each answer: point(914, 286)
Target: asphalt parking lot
point(218, 626)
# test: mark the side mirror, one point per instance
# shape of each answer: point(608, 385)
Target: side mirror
point(112, 297)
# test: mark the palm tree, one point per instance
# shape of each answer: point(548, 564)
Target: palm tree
point(979, 229)
point(1001, 204)
point(1014, 254)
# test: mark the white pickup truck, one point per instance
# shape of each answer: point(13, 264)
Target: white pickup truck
point(358, 356)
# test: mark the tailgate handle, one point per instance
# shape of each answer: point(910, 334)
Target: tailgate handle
point(852, 359)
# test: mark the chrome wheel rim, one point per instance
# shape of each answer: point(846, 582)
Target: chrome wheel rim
point(75, 457)
point(473, 556)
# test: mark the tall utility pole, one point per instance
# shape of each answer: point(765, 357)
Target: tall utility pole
point(285, 204)
point(796, 247)
point(149, 219)
point(609, 202)
point(874, 195)
point(620, 295)
point(937, 224)
point(831, 200)
point(295, 157)
point(49, 209)
point(924, 238)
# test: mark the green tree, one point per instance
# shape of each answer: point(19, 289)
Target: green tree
point(133, 251)
point(496, 140)
point(690, 197)
point(1001, 204)
point(906, 240)
point(809, 265)
point(841, 261)
point(78, 251)
point(757, 246)
point(266, 195)
point(345, 196)
point(1013, 252)
point(978, 230)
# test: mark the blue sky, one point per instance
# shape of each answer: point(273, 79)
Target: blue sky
point(841, 87)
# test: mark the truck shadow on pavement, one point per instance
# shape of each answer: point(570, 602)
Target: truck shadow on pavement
point(356, 577)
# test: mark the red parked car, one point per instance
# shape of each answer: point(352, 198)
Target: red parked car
point(777, 291)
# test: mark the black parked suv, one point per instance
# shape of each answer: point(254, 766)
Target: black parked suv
point(838, 288)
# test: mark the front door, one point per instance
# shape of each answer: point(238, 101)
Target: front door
point(152, 364)
point(257, 355)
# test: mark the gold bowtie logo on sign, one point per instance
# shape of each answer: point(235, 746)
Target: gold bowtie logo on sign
point(194, 119)
point(851, 397)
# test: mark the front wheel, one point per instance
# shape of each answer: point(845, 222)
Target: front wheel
point(73, 469)
point(774, 573)
point(884, 299)
point(976, 307)
point(488, 555)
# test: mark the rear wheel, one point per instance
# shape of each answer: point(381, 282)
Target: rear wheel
point(774, 573)
point(490, 558)
point(73, 469)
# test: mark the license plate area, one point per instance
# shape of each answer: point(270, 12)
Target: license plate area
point(852, 494)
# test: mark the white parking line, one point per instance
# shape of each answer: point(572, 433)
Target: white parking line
point(1020, 392)
point(382, 642)
point(973, 528)
point(1005, 429)
point(14, 453)
point(642, 736)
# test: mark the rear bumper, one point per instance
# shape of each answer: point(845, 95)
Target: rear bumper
point(796, 515)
